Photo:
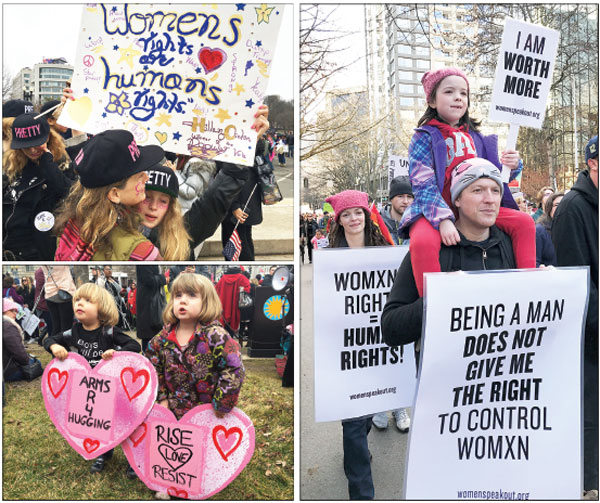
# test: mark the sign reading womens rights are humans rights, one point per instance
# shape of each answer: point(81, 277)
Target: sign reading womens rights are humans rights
point(499, 392)
point(187, 77)
point(356, 373)
point(524, 73)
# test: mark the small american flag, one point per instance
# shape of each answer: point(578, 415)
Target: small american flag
point(233, 248)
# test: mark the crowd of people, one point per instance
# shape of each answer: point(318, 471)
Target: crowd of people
point(455, 212)
point(70, 197)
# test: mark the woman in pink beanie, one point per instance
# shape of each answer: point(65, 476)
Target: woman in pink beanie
point(445, 137)
point(354, 229)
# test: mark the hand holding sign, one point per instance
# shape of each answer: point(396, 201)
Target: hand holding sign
point(96, 409)
point(194, 457)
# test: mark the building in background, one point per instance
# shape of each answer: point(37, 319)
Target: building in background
point(404, 41)
point(44, 82)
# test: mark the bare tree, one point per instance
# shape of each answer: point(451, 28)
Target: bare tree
point(319, 62)
point(6, 84)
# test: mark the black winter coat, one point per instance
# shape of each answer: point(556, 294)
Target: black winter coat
point(39, 188)
point(149, 282)
point(575, 238)
point(402, 316)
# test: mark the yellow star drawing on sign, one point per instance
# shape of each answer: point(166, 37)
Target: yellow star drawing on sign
point(128, 54)
point(263, 13)
point(222, 115)
point(163, 119)
point(239, 88)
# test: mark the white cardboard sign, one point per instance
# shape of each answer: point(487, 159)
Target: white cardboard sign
point(356, 373)
point(397, 166)
point(524, 73)
point(187, 77)
point(499, 392)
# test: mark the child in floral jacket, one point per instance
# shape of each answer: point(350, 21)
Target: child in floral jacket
point(196, 360)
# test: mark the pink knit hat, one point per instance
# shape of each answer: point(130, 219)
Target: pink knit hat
point(9, 305)
point(432, 77)
point(348, 199)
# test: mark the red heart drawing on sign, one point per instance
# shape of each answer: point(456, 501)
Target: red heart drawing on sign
point(59, 377)
point(222, 441)
point(235, 439)
point(172, 491)
point(211, 59)
point(90, 445)
point(129, 378)
point(138, 435)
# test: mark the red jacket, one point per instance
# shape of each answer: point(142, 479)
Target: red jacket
point(228, 289)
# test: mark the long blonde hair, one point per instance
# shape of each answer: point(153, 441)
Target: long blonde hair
point(15, 160)
point(198, 284)
point(172, 234)
point(94, 214)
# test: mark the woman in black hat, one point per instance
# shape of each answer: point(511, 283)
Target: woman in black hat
point(33, 185)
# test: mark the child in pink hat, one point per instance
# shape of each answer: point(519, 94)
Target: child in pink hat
point(445, 137)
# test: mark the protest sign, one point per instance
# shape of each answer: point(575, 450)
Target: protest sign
point(524, 73)
point(186, 77)
point(96, 409)
point(397, 166)
point(499, 392)
point(356, 373)
point(523, 78)
point(194, 457)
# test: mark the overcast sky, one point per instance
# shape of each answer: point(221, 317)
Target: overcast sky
point(31, 32)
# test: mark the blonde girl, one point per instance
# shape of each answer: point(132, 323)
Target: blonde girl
point(196, 360)
point(96, 221)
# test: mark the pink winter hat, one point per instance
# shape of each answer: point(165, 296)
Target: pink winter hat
point(9, 305)
point(432, 77)
point(348, 199)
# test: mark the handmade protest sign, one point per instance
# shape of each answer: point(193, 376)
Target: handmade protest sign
point(397, 166)
point(523, 77)
point(96, 409)
point(186, 77)
point(356, 373)
point(194, 457)
point(499, 392)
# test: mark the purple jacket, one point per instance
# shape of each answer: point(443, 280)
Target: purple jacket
point(486, 147)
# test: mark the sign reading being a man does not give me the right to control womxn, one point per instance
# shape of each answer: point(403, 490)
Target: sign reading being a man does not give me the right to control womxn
point(499, 393)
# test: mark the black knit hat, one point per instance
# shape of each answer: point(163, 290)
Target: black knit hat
point(14, 108)
point(164, 180)
point(112, 156)
point(27, 131)
point(400, 185)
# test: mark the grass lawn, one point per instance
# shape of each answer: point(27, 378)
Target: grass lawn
point(39, 464)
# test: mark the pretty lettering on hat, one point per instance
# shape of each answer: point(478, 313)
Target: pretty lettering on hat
point(134, 151)
point(158, 178)
point(79, 157)
point(28, 132)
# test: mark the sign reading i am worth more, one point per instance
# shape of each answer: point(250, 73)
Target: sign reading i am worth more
point(186, 77)
point(356, 373)
point(524, 73)
point(499, 392)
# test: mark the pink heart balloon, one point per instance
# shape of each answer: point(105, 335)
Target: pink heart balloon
point(194, 457)
point(97, 409)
